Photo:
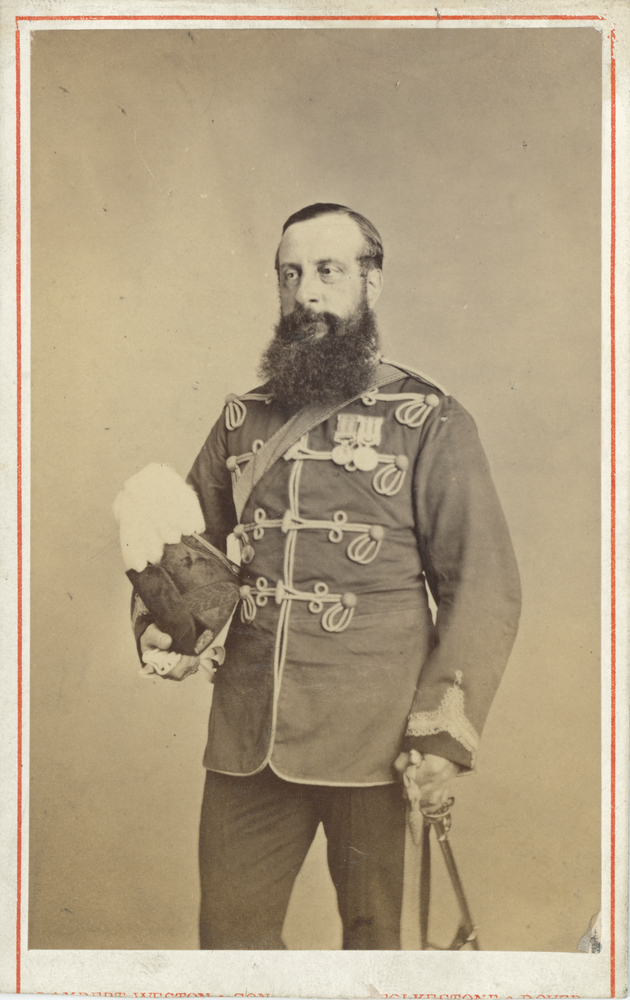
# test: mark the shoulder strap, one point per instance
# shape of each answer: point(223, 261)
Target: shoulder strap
point(415, 373)
point(290, 432)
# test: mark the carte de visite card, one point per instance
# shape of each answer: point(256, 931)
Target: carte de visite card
point(152, 154)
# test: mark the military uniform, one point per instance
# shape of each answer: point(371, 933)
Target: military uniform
point(333, 663)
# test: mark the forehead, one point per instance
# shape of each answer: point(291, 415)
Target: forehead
point(327, 237)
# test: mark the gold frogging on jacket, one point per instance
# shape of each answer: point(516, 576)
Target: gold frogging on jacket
point(414, 409)
point(336, 619)
point(235, 409)
point(387, 480)
point(362, 549)
point(233, 462)
point(273, 713)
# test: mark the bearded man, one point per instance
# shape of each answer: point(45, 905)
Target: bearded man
point(352, 485)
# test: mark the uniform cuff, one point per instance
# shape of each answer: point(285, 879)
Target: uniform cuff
point(442, 745)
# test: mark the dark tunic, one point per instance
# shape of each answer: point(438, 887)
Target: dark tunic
point(333, 662)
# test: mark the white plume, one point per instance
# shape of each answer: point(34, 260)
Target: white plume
point(155, 508)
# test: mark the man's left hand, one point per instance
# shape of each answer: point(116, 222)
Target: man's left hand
point(431, 774)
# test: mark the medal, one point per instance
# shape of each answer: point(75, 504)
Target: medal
point(369, 431)
point(356, 439)
point(342, 454)
point(365, 459)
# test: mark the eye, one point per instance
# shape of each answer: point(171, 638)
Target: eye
point(329, 272)
point(290, 277)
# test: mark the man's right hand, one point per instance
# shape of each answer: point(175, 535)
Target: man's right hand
point(153, 639)
point(427, 778)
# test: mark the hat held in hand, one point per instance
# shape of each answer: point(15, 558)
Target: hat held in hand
point(189, 587)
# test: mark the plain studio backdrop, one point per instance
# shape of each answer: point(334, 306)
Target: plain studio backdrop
point(163, 166)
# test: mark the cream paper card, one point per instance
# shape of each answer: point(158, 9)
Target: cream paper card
point(159, 148)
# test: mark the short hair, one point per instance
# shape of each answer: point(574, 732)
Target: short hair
point(372, 256)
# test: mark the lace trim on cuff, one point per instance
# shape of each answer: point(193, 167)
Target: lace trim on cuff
point(448, 717)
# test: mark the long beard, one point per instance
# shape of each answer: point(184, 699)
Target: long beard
point(320, 358)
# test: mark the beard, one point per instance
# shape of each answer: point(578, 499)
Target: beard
point(320, 358)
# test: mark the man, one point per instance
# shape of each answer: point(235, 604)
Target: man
point(350, 483)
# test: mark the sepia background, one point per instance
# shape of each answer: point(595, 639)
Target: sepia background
point(163, 166)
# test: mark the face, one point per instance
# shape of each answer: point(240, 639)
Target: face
point(318, 268)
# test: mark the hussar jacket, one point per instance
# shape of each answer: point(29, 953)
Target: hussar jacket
point(334, 662)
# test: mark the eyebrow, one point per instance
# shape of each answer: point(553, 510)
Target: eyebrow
point(331, 260)
point(318, 263)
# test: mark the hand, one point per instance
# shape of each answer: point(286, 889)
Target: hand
point(427, 778)
point(153, 647)
point(152, 638)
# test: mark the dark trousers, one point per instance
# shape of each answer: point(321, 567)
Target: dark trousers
point(255, 833)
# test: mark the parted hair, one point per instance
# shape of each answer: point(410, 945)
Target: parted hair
point(372, 257)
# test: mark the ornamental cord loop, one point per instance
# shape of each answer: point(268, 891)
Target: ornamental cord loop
point(363, 549)
point(388, 480)
point(413, 413)
point(248, 607)
point(235, 412)
point(337, 618)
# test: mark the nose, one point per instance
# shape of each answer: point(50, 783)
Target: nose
point(308, 292)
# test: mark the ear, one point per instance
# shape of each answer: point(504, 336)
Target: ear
point(374, 285)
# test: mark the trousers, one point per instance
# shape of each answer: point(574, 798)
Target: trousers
point(255, 833)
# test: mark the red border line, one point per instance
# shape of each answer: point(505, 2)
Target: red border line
point(613, 502)
point(18, 293)
point(311, 17)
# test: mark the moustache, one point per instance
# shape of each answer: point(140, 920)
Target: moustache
point(303, 325)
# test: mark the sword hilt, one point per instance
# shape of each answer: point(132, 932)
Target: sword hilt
point(439, 818)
